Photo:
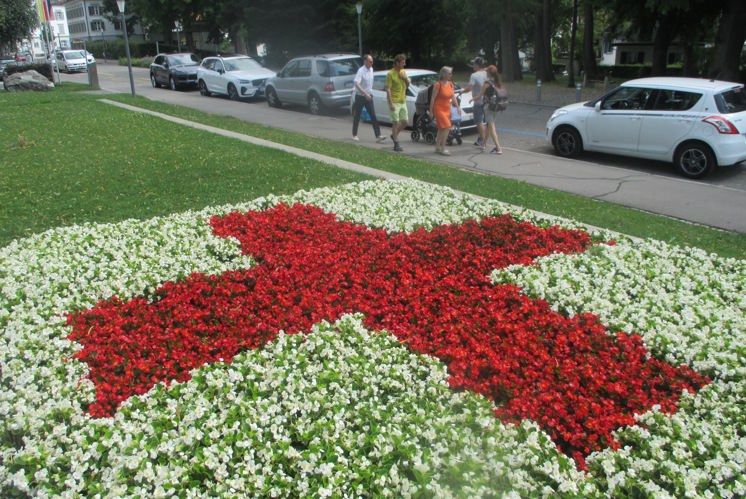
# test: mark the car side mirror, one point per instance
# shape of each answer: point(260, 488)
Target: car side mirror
point(597, 107)
point(165, 65)
point(221, 71)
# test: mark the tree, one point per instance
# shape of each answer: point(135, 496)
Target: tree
point(589, 52)
point(17, 20)
point(543, 41)
point(729, 40)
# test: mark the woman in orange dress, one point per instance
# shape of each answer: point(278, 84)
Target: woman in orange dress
point(440, 108)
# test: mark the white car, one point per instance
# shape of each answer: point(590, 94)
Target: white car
point(88, 56)
point(69, 61)
point(696, 124)
point(238, 77)
point(419, 79)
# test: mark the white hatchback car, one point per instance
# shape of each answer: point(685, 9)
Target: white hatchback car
point(238, 77)
point(419, 79)
point(696, 124)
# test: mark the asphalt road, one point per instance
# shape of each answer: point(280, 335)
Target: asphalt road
point(718, 200)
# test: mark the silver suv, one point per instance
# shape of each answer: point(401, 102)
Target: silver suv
point(319, 81)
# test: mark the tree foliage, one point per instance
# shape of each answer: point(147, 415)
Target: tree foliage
point(17, 21)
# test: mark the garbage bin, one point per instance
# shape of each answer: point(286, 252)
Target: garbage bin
point(93, 76)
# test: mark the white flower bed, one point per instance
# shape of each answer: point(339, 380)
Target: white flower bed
point(349, 412)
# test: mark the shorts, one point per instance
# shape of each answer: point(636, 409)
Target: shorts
point(478, 113)
point(399, 113)
point(490, 116)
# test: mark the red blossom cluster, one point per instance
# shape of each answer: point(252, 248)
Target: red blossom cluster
point(430, 289)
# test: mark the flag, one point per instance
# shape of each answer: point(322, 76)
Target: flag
point(48, 10)
point(40, 8)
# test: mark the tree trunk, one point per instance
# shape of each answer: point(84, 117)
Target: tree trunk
point(573, 35)
point(506, 59)
point(661, 42)
point(518, 69)
point(589, 51)
point(542, 48)
point(546, 17)
point(729, 41)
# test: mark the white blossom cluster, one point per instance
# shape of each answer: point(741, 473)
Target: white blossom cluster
point(341, 411)
point(689, 307)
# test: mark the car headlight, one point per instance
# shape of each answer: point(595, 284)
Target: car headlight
point(557, 114)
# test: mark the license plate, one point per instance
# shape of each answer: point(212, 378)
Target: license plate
point(348, 84)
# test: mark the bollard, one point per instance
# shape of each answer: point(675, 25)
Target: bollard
point(93, 76)
point(538, 90)
point(578, 88)
point(606, 83)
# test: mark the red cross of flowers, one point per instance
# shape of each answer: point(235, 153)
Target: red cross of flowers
point(430, 289)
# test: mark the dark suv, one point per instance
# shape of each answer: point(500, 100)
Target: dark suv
point(178, 71)
point(319, 81)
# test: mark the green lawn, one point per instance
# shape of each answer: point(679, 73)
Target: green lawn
point(69, 159)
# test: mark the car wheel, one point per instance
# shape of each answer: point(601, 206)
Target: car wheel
point(315, 104)
point(203, 88)
point(232, 92)
point(153, 81)
point(272, 99)
point(567, 142)
point(171, 83)
point(694, 159)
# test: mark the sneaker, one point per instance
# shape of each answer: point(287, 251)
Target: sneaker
point(397, 147)
point(380, 138)
point(478, 142)
point(445, 152)
point(355, 138)
point(495, 150)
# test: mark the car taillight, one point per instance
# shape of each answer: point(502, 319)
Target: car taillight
point(329, 87)
point(723, 126)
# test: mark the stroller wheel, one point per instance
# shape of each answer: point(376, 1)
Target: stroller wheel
point(449, 142)
point(430, 138)
point(459, 141)
point(415, 135)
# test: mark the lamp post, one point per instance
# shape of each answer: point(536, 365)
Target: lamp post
point(103, 42)
point(120, 4)
point(359, 8)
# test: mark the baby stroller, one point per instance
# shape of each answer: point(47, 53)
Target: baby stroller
point(455, 133)
point(423, 125)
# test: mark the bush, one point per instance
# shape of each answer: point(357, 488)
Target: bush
point(43, 68)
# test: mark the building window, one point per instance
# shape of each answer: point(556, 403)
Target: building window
point(118, 25)
point(95, 10)
point(97, 26)
point(59, 15)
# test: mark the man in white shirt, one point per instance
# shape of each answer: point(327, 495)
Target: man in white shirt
point(477, 79)
point(364, 98)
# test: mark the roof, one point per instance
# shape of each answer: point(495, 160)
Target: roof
point(684, 83)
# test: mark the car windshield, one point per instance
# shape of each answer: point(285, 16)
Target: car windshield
point(731, 101)
point(242, 64)
point(183, 59)
point(424, 80)
point(72, 55)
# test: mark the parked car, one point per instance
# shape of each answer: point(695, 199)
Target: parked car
point(5, 61)
point(696, 124)
point(88, 56)
point(24, 57)
point(320, 81)
point(177, 71)
point(238, 77)
point(420, 79)
point(69, 61)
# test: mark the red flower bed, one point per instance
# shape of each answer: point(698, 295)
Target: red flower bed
point(430, 289)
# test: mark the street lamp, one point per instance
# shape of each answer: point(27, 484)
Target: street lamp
point(120, 4)
point(359, 8)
